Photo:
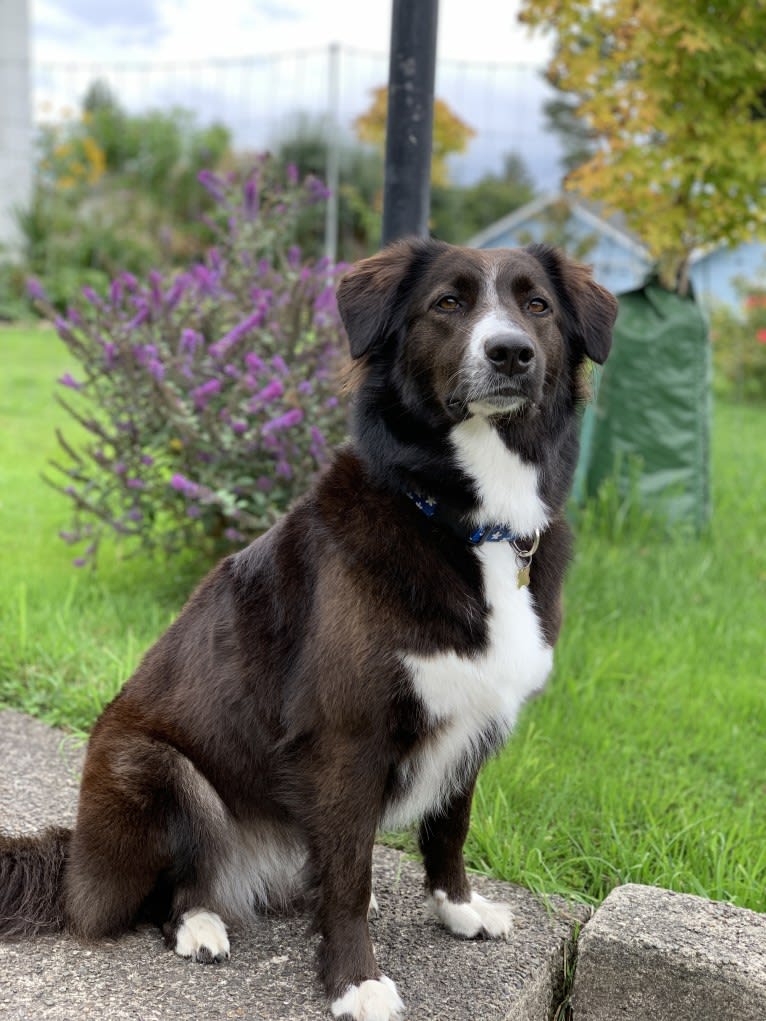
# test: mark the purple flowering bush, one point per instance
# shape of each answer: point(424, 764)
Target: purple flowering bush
point(207, 398)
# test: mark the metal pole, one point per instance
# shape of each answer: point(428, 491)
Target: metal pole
point(409, 127)
point(332, 168)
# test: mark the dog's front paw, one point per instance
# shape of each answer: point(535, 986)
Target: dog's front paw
point(373, 1000)
point(202, 937)
point(477, 917)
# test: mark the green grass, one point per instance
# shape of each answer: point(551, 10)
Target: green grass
point(645, 759)
point(68, 637)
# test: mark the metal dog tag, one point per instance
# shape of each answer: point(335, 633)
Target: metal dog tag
point(522, 578)
point(524, 559)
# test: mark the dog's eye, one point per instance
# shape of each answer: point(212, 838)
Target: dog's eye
point(537, 306)
point(448, 303)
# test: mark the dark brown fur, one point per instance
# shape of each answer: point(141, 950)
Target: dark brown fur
point(278, 701)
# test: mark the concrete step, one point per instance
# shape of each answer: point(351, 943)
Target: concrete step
point(649, 953)
point(270, 975)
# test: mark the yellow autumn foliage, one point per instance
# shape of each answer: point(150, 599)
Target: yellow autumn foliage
point(450, 133)
point(676, 92)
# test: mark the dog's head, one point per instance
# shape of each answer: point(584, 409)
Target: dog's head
point(475, 332)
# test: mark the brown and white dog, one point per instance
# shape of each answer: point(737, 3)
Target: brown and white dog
point(352, 668)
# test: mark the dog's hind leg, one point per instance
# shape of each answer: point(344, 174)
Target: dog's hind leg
point(142, 843)
point(198, 935)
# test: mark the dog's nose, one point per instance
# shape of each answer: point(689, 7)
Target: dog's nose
point(510, 353)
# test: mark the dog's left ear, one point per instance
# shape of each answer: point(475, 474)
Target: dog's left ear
point(592, 309)
point(372, 295)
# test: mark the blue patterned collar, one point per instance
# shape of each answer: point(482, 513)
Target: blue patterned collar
point(477, 535)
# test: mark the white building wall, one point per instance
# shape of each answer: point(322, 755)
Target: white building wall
point(15, 120)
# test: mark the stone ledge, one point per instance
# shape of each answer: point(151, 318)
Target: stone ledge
point(270, 975)
point(650, 953)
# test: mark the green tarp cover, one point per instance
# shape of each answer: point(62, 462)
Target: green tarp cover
point(649, 422)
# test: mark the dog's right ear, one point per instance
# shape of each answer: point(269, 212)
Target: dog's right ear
point(371, 296)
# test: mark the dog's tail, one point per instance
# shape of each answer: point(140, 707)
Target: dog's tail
point(31, 882)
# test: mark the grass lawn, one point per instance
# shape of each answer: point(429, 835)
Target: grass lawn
point(645, 759)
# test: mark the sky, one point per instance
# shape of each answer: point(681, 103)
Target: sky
point(182, 29)
point(478, 40)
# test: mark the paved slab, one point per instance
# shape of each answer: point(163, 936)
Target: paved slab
point(270, 975)
point(649, 953)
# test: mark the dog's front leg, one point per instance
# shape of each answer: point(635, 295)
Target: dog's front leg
point(450, 897)
point(345, 820)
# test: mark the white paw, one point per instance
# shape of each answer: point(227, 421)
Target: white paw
point(202, 936)
point(477, 917)
point(373, 1000)
point(373, 910)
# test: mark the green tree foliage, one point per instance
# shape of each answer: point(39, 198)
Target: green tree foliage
point(304, 144)
point(674, 91)
point(457, 213)
point(117, 191)
point(739, 345)
point(578, 142)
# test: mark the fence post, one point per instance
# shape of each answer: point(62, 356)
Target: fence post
point(332, 168)
point(409, 125)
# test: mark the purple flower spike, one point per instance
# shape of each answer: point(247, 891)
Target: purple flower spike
point(227, 342)
point(130, 282)
point(35, 289)
point(202, 393)
point(156, 368)
point(290, 418)
point(67, 380)
point(251, 196)
point(270, 393)
point(212, 184)
point(183, 485)
point(139, 318)
point(253, 363)
point(190, 341)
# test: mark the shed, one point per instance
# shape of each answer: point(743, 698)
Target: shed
point(620, 260)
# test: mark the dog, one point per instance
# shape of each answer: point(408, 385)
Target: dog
point(353, 667)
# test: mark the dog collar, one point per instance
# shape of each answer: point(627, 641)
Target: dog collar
point(524, 546)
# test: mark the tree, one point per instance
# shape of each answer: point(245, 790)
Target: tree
point(577, 140)
point(303, 143)
point(458, 213)
point(674, 90)
point(450, 134)
point(117, 191)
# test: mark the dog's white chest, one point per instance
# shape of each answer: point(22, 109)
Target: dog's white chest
point(466, 695)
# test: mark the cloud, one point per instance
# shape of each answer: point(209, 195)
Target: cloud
point(91, 25)
point(278, 11)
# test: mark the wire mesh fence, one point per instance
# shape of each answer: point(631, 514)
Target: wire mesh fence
point(259, 97)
